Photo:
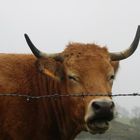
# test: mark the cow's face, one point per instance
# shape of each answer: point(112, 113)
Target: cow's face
point(86, 68)
point(89, 69)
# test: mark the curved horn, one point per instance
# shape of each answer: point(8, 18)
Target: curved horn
point(40, 54)
point(35, 51)
point(128, 52)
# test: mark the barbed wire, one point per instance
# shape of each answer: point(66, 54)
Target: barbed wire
point(28, 97)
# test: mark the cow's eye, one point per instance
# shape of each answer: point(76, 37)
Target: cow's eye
point(112, 77)
point(72, 78)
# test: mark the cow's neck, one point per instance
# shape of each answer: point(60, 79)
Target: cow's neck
point(56, 110)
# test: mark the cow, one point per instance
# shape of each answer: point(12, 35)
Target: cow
point(80, 68)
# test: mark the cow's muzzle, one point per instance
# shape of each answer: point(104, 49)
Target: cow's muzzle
point(98, 115)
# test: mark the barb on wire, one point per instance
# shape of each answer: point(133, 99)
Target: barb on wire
point(28, 97)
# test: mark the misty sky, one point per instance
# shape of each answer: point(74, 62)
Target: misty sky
point(51, 24)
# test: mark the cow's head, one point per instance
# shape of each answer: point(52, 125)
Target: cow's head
point(86, 68)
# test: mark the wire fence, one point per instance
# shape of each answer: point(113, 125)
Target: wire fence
point(57, 96)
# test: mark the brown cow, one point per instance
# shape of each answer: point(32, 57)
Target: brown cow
point(80, 68)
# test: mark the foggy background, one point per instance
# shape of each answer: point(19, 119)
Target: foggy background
point(52, 24)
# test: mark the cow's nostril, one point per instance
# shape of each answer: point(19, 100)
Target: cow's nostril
point(112, 105)
point(96, 106)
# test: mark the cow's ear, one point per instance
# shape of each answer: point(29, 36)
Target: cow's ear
point(115, 65)
point(51, 68)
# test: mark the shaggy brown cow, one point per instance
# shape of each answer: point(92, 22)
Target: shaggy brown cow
point(80, 68)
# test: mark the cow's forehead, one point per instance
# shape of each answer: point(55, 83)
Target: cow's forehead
point(80, 50)
point(86, 57)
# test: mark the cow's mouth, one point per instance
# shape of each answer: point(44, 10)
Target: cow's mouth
point(97, 126)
